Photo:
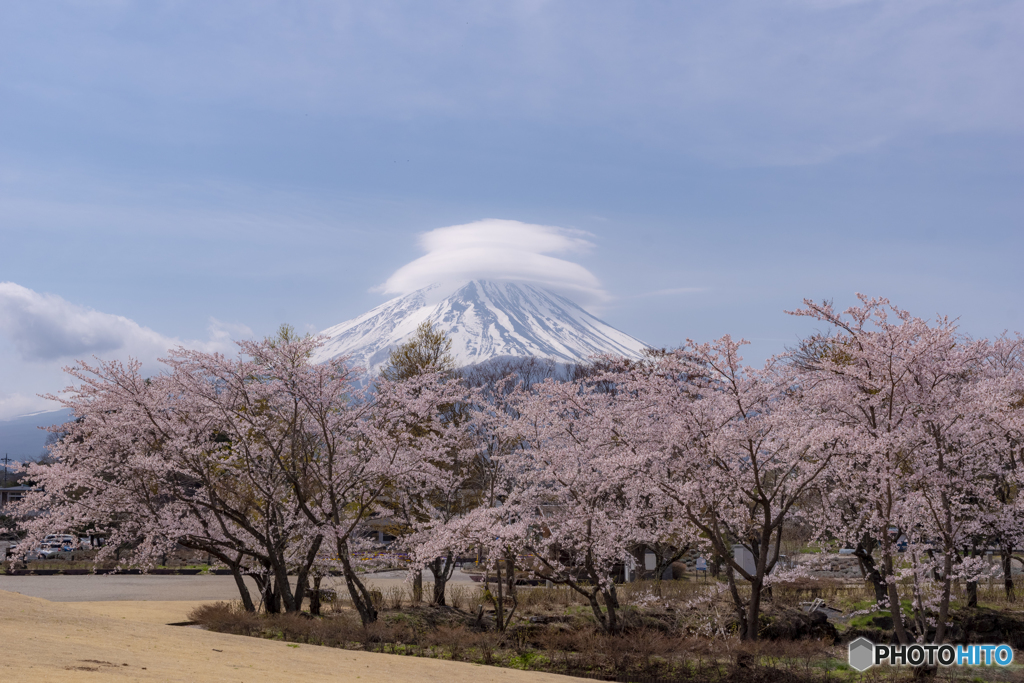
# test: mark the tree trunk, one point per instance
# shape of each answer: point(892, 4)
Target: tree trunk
point(611, 602)
point(1007, 557)
point(972, 586)
point(283, 587)
point(417, 586)
point(302, 575)
point(754, 611)
point(870, 571)
point(737, 600)
point(947, 582)
point(271, 596)
point(440, 580)
point(895, 608)
point(510, 574)
point(664, 558)
point(357, 592)
point(599, 614)
point(314, 597)
point(499, 602)
point(235, 565)
point(442, 568)
point(243, 590)
point(268, 599)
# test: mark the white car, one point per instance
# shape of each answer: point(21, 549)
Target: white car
point(60, 539)
point(52, 545)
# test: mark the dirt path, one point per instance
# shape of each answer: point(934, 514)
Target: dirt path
point(130, 641)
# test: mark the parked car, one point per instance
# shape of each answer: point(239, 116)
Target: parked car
point(43, 551)
point(52, 545)
point(60, 539)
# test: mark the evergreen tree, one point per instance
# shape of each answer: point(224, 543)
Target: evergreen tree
point(428, 350)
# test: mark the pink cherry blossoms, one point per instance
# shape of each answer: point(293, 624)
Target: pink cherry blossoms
point(886, 433)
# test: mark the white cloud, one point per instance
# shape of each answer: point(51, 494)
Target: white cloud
point(494, 249)
point(16, 405)
point(221, 334)
point(46, 331)
point(46, 327)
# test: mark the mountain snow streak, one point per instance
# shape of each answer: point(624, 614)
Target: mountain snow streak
point(484, 320)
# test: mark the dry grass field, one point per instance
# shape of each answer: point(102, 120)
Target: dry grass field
point(131, 641)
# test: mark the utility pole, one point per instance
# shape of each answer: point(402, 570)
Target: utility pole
point(6, 461)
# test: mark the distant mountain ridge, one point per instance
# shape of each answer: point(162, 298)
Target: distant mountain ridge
point(485, 320)
point(23, 438)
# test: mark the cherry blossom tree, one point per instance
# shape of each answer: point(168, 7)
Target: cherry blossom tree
point(132, 464)
point(261, 404)
point(913, 404)
point(549, 495)
point(493, 531)
point(259, 460)
point(349, 455)
point(1006, 361)
point(439, 479)
point(445, 479)
point(564, 493)
point(729, 449)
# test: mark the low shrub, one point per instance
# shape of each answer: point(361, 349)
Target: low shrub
point(562, 643)
point(227, 617)
point(394, 596)
point(452, 640)
point(458, 595)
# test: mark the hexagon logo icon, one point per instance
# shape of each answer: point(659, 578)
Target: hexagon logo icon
point(862, 654)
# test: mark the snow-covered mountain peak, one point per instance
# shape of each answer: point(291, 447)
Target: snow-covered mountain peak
point(484, 319)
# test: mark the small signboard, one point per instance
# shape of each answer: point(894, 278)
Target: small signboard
point(744, 558)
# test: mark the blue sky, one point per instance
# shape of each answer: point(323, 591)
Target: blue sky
point(187, 171)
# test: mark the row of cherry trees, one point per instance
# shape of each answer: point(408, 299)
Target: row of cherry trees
point(883, 425)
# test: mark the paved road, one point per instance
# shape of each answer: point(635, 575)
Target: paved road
point(122, 587)
point(457, 576)
point(159, 587)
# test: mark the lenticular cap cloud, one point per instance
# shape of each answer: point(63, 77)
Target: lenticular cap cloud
point(496, 249)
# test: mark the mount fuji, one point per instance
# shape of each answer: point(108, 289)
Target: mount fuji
point(485, 320)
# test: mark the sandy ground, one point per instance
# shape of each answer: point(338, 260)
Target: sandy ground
point(130, 641)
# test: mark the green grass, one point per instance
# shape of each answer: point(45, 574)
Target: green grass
point(868, 620)
point(525, 660)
